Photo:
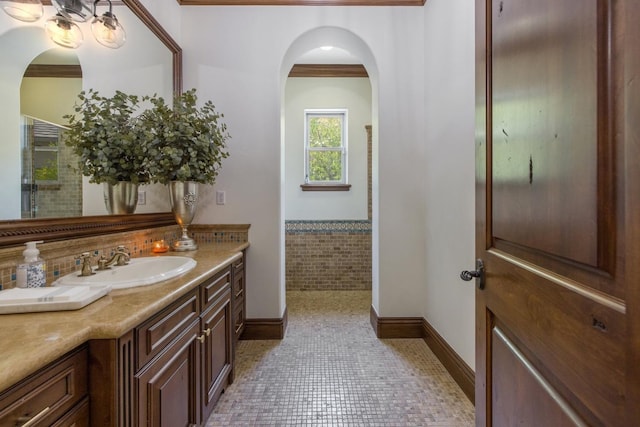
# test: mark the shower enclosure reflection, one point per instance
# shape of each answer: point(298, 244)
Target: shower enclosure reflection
point(50, 188)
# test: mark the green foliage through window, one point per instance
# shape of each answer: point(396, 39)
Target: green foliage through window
point(325, 146)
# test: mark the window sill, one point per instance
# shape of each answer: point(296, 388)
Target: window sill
point(325, 187)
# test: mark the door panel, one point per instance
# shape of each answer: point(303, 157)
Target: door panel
point(516, 368)
point(554, 336)
point(545, 137)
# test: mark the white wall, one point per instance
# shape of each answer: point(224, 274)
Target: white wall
point(449, 172)
point(233, 55)
point(423, 121)
point(354, 94)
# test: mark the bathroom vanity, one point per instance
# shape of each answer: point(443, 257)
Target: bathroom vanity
point(149, 356)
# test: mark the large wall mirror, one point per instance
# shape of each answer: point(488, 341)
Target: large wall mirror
point(39, 83)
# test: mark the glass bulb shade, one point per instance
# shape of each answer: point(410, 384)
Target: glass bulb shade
point(64, 32)
point(23, 10)
point(108, 31)
point(75, 10)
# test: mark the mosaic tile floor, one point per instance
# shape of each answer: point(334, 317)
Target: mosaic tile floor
point(331, 370)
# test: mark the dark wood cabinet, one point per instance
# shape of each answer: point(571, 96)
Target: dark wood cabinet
point(239, 300)
point(168, 371)
point(184, 356)
point(217, 356)
point(168, 386)
point(56, 395)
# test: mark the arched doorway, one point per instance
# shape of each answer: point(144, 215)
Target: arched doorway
point(328, 240)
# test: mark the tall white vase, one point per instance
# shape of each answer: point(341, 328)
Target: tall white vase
point(121, 198)
point(184, 199)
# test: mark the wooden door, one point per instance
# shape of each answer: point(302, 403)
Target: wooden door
point(557, 150)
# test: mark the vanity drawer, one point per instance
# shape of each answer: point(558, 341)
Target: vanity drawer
point(49, 394)
point(212, 289)
point(159, 331)
point(238, 285)
point(238, 322)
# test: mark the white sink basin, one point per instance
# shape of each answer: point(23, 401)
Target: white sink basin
point(139, 272)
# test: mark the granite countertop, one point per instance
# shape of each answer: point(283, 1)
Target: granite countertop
point(29, 341)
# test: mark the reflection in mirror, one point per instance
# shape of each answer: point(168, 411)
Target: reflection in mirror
point(150, 56)
point(50, 189)
point(144, 65)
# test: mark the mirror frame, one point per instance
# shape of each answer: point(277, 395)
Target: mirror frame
point(19, 231)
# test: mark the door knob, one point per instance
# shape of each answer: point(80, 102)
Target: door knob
point(478, 274)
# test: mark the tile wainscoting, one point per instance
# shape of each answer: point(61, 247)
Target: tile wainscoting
point(328, 255)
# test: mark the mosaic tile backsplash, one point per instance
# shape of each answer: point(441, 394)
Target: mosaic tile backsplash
point(61, 257)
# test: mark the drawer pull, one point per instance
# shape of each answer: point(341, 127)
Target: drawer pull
point(239, 265)
point(36, 418)
point(201, 338)
point(239, 293)
point(207, 331)
point(238, 327)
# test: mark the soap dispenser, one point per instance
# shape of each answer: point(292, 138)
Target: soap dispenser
point(31, 273)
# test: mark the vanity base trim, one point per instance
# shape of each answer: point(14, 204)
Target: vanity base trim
point(265, 329)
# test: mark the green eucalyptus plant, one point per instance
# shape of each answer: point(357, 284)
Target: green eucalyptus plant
point(107, 138)
point(185, 142)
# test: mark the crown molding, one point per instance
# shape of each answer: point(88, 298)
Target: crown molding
point(328, 70)
point(53, 70)
point(301, 2)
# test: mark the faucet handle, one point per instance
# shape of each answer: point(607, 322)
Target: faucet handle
point(102, 263)
point(85, 257)
point(122, 249)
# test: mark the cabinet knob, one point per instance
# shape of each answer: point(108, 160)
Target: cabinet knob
point(201, 338)
point(207, 331)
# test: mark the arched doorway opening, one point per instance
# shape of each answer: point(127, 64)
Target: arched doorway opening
point(328, 236)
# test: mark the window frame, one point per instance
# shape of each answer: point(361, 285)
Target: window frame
point(341, 113)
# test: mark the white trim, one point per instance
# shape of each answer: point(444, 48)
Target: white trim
point(338, 112)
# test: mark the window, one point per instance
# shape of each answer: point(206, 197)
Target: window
point(325, 147)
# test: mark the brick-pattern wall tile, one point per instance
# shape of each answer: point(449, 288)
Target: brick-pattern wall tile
point(334, 260)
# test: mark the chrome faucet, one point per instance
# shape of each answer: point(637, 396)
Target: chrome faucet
point(85, 258)
point(120, 257)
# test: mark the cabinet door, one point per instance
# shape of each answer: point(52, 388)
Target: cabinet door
point(168, 387)
point(217, 354)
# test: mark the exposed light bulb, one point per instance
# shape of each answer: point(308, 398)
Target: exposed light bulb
point(23, 10)
point(64, 32)
point(108, 31)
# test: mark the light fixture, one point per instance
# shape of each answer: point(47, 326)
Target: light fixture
point(107, 30)
point(23, 10)
point(75, 10)
point(63, 31)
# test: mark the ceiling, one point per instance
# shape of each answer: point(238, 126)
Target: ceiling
point(335, 55)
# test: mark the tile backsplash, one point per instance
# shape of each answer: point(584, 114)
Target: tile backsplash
point(61, 257)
